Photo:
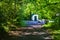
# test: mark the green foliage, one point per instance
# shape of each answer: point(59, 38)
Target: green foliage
point(22, 24)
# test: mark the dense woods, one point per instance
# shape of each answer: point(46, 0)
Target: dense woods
point(13, 12)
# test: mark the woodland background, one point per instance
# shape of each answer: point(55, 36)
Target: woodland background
point(12, 12)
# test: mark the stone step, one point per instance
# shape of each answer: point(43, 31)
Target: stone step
point(30, 32)
point(35, 33)
point(30, 29)
point(37, 26)
point(48, 38)
point(36, 37)
point(42, 33)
